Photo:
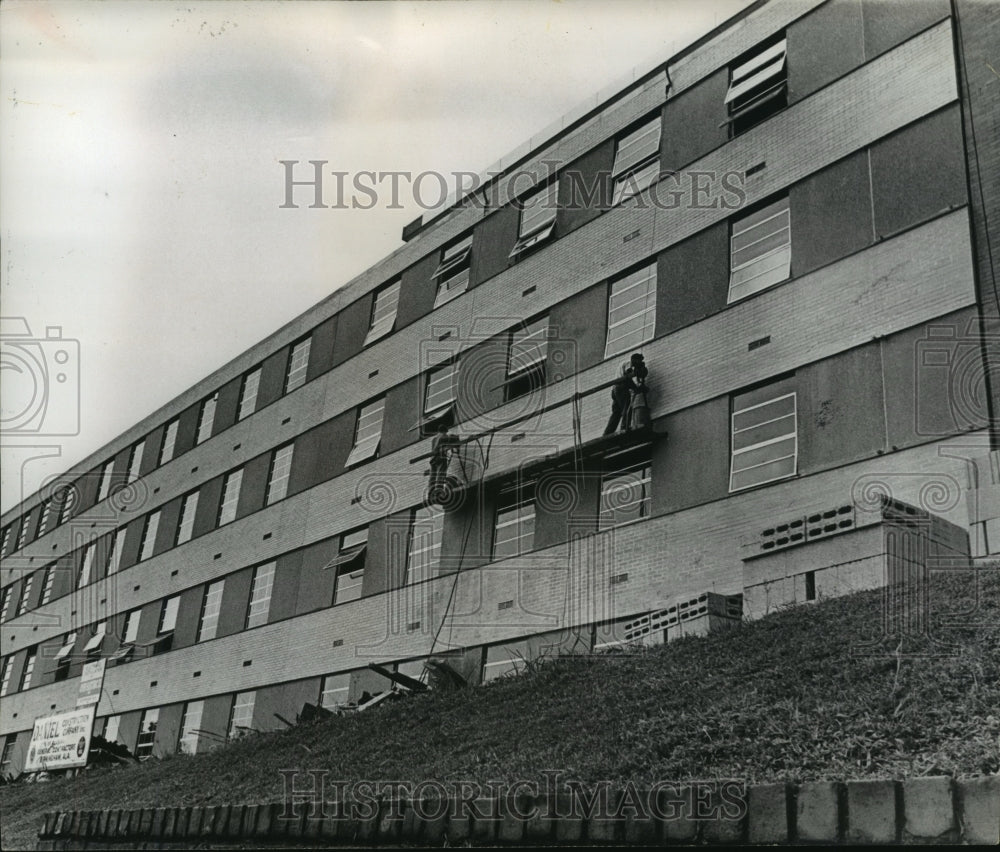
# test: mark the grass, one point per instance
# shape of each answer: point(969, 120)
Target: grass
point(783, 698)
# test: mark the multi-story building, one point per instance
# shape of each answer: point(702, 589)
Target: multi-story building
point(790, 219)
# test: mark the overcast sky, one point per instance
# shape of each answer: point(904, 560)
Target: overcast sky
point(140, 184)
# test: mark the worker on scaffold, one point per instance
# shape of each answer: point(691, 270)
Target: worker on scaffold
point(442, 446)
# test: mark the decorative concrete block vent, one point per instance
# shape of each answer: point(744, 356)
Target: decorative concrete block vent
point(687, 616)
point(846, 549)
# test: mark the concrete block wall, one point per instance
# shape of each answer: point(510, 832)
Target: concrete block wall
point(863, 812)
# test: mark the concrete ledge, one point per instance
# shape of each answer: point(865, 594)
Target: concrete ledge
point(979, 804)
point(917, 810)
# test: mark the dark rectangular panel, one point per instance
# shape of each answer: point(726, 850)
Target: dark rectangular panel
point(403, 411)
point(285, 591)
point(226, 407)
point(151, 451)
point(272, 378)
point(579, 329)
point(130, 549)
point(691, 462)
point(207, 512)
point(166, 531)
point(386, 559)
point(585, 188)
point(168, 725)
point(188, 613)
point(493, 239)
point(482, 371)
point(831, 214)
point(918, 172)
point(321, 452)
point(187, 429)
point(235, 600)
point(824, 45)
point(352, 326)
point(566, 505)
point(417, 292)
point(692, 279)
point(316, 581)
point(321, 348)
point(932, 376)
point(284, 699)
point(694, 122)
point(840, 409)
point(253, 488)
point(888, 24)
point(214, 720)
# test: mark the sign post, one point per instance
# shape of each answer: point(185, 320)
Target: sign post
point(61, 741)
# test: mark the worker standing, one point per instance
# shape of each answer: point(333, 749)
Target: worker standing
point(621, 398)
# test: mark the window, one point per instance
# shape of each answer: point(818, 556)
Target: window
point(191, 727)
point(135, 460)
point(625, 494)
point(426, 529)
point(185, 527)
point(515, 527)
point(208, 622)
point(104, 489)
point(95, 642)
point(8, 667)
point(637, 161)
point(248, 394)
point(206, 418)
point(350, 566)
point(368, 432)
point(7, 758)
point(230, 497)
point(277, 478)
point(631, 311)
point(130, 629)
point(147, 733)
point(298, 365)
point(62, 656)
point(439, 395)
point(260, 595)
point(760, 250)
point(758, 87)
point(168, 615)
point(115, 552)
point(526, 358)
point(6, 540)
point(538, 219)
point(8, 596)
point(148, 543)
point(765, 441)
point(169, 441)
point(111, 725)
point(241, 714)
point(383, 313)
point(29, 668)
point(46, 517)
point(452, 274)
point(48, 581)
point(22, 607)
point(334, 690)
point(86, 566)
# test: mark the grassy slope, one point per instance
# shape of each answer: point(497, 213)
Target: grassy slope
point(781, 698)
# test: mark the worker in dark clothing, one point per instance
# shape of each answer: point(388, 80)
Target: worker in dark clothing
point(442, 446)
point(621, 397)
